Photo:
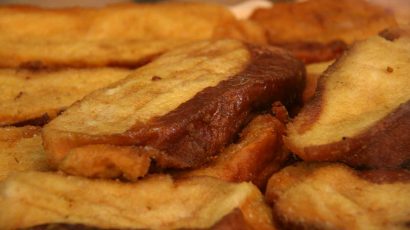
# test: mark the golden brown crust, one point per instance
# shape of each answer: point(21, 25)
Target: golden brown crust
point(320, 30)
point(323, 21)
point(314, 52)
point(123, 35)
point(197, 21)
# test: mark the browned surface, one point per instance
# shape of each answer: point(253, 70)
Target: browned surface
point(257, 155)
point(318, 30)
point(323, 21)
point(199, 128)
point(313, 52)
point(334, 196)
point(384, 176)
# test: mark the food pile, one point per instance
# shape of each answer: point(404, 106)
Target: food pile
point(181, 116)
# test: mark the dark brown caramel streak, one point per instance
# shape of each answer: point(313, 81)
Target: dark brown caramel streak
point(198, 129)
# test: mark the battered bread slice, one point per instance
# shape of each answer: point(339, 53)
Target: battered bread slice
point(21, 149)
point(319, 30)
point(116, 35)
point(181, 109)
point(35, 96)
point(333, 196)
point(257, 155)
point(360, 113)
point(36, 198)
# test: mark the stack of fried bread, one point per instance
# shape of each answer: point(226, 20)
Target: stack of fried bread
point(179, 110)
point(179, 116)
point(175, 115)
point(60, 55)
point(359, 115)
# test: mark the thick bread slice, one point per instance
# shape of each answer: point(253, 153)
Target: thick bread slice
point(116, 35)
point(184, 107)
point(21, 149)
point(360, 113)
point(333, 196)
point(35, 198)
point(27, 95)
point(257, 155)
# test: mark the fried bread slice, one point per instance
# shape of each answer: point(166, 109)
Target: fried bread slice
point(21, 149)
point(318, 30)
point(182, 108)
point(116, 35)
point(36, 198)
point(186, 21)
point(323, 21)
point(255, 157)
point(360, 112)
point(333, 196)
point(28, 95)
